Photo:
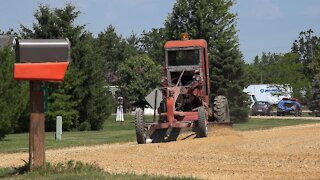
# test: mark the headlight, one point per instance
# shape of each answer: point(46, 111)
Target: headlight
point(196, 77)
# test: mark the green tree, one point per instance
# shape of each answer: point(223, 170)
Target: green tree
point(315, 99)
point(314, 65)
point(56, 24)
point(279, 69)
point(13, 94)
point(305, 47)
point(97, 101)
point(286, 70)
point(213, 21)
point(254, 71)
point(132, 45)
point(114, 51)
point(111, 46)
point(152, 43)
point(76, 98)
point(253, 74)
point(139, 76)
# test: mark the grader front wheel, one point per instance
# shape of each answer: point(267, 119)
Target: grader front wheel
point(140, 126)
point(202, 128)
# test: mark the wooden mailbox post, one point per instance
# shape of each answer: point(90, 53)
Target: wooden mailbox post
point(38, 61)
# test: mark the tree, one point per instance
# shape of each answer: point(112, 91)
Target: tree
point(279, 69)
point(253, 74)
point(305, 47)
point(97, 101)
point(111, 46)
point(315, 100)
point(114, 51)
point(13, 95)
point(132, 45)
point(314, 65)
point(139, 76)
point(76, 98)
point(152, 43)
point(212, 20)
point(286, 70)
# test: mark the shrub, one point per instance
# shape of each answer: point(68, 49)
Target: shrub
point(85, 126)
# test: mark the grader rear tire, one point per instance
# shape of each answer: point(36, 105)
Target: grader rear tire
point(202, 130)
point(221, 109)
point(140, 126)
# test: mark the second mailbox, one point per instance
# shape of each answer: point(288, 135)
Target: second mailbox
point(41, 59)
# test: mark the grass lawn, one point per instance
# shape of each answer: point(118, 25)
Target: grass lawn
point(115, 132)
point(112, 132)
point(73, 170)
point(256, 124)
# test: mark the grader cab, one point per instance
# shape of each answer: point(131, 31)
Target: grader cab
point(185, 95)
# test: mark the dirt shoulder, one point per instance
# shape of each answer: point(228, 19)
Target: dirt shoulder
point(287, 152)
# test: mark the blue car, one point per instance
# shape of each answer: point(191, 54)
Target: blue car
point(289, 106)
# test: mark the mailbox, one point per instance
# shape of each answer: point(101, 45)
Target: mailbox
point(41, 59)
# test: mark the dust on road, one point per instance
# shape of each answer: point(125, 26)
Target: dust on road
point(280, 153)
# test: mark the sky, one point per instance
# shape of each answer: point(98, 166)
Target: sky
point(263, 25)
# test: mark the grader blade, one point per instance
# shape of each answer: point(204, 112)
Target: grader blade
point(220, 124)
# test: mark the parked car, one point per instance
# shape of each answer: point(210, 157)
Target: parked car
point(289, 106)
point(261, 108)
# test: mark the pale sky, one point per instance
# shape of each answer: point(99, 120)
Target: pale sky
point(263, 25)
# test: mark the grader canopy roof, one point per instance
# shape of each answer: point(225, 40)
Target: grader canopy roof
point(187, 43)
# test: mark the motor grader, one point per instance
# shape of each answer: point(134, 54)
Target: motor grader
point(185, 91)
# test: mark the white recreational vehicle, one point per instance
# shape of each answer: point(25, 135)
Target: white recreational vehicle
point(271, 93)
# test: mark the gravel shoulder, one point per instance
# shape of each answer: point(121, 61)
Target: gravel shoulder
point(286, 117)
point(280, 153)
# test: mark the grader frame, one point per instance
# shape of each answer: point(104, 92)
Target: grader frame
point(185, 90)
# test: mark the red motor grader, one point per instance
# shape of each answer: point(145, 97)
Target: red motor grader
point(185, 91)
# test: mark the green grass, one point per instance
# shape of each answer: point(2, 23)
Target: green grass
point(72, 170)
point(6, 172)
point(114, 132)
point(256, 124)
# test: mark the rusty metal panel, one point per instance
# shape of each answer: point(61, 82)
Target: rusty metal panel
point(42, 50)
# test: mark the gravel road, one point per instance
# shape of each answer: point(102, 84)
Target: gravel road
point(280, 153)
